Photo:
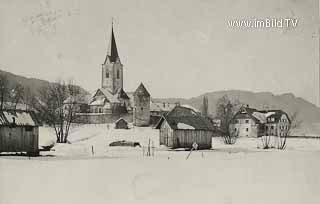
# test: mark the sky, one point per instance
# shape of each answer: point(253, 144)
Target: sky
point(176, 48)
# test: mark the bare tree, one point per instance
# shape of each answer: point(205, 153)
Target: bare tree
point(58, 106)
point(293, 123)
point(16, 95)
point(225, 111)
point(4, 90)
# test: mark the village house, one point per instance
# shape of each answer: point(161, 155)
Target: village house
point(183, 126)
point(250, 122)
point(19, 132)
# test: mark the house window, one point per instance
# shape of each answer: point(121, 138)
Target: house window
point(141, 108)
point(107, 74)
point(247, 121)
point(118, 74)
point(235, 129)
point(271, 127)
point(247, 129)
point(237, 121)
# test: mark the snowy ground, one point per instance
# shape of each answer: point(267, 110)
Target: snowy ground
point(239, 173)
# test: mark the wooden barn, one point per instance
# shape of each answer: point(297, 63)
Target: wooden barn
point(19, 132)
point(121, 124)
point(183, 126)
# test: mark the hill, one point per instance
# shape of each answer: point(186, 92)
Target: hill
point(28, 83)
point(307, 112)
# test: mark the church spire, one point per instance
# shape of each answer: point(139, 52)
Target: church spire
point(112, 52)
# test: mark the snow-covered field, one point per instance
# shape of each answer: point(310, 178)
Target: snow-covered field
point(240, 173)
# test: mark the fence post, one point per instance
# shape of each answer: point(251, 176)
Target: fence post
point(92, 150)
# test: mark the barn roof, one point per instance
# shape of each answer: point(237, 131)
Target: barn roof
point(141, 91)
point(183, 116)
point(17, 117)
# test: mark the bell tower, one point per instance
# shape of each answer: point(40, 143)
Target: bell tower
point(112, 69)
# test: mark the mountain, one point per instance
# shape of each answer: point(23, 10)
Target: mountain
point(307, 112)
point(33, 84)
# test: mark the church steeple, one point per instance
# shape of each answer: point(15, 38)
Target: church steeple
point(112, 68)
point(112, 52)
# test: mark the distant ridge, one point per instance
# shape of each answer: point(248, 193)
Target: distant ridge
point(307, 112)
point(32, 83)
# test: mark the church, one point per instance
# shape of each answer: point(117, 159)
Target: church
point(111, 102)
point(111, 98)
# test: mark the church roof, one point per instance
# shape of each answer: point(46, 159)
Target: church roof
point(112, 52)
point(122, 94)
point(141, 91)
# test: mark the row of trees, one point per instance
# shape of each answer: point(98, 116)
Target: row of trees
point(55, 105)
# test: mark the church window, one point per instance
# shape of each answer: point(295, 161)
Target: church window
point(107, 74)
point(118, 74)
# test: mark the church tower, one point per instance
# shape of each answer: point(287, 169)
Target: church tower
point(112, 69)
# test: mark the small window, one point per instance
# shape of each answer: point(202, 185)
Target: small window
point(28, 128)
point(235, 129)
point(107, 74)
point(271, 127)
point(247, 129)
point(247, 121)
point(237, 121)
point(118, 74)
point(141, 108)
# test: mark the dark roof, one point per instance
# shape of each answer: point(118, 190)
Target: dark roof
point(112, 52)
point(121, 120)
point(141, 91)
point(17, 117)
point(122, 94)
point(186, 116)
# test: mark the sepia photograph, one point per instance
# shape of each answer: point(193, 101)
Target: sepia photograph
point(159, 101)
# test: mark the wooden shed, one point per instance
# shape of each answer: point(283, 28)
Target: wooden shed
point(19, 132)
point(121, 123)
point(183, 126)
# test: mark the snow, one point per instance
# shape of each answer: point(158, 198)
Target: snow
point(21, 118)
point(192, 108)
point(239, 173)
point(260, 116)
point(268, 114)
point(184, 126)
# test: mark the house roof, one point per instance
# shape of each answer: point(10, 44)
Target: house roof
point(17, 117)
point(112, 98)
point(159, 106)
point(259, 116)
point(187, 117)
point(121, 119)
point(141, 91)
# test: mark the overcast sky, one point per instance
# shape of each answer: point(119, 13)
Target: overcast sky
point(176, 48)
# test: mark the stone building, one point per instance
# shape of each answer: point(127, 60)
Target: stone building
point(250, 122)
point(141, 110)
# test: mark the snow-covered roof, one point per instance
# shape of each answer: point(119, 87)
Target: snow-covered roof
point(183, 126)
point(260, 116)
point(161, 106)
point(191, 107)
point(20, 118)
point(99, 101)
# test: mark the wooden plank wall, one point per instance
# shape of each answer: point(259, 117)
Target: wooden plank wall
point(17, 139)
point(185, 138)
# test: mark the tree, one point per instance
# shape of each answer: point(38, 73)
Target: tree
point(58, 106)
point(225, 111)
point(204, 108)
point(281, 139)
point(294, 123)
point(16, 95)
point(4, 90)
